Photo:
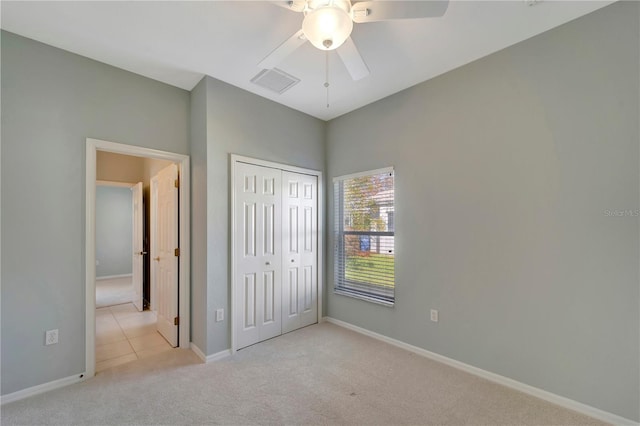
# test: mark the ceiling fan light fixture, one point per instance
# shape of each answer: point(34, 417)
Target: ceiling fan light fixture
point(327, 27)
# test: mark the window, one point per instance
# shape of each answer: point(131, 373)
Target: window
point(364, 256)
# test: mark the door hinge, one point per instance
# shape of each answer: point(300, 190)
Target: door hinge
point(177, 183)
point(176, 252)
point(176, 321)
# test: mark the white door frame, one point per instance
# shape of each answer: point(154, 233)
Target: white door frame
point(234, 158)
point(92, 147)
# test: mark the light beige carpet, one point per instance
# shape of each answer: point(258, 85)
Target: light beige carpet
point(114, 291)
point(321, 374)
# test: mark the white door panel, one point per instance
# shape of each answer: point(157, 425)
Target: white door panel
point(166, 267)
point(138, 256)
point(300, 258)
point(291, 292)
point(258, 251)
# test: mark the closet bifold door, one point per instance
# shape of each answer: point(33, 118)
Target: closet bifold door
point(258, 255)
point(299, 250)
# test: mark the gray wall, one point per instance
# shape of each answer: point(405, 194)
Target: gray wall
point(239, 122)
point(505, 171)
point(51, 101)
point(114, 218)
point(199, 235)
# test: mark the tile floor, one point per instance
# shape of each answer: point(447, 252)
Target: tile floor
point(123, 334)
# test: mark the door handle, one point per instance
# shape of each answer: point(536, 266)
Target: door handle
point(142, 253)
point(157, 259)
point(267, 263)
point(293, 260)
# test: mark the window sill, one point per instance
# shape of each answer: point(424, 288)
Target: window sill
point(365, 298)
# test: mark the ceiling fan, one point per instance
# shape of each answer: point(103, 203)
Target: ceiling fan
point(327, 24)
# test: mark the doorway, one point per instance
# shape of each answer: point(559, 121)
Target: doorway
point(127, 317)
point(128, 325)
point(114, 248)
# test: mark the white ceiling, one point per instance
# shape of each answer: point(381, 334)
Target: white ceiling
point(178, 42)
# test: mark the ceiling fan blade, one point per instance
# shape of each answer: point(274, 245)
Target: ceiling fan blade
point(352, 60)
point(383, 10)
point(293, 5)
point(284, 50)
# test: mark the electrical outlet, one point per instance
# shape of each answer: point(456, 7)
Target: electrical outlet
point(51, 337)
point(219, 315)
point(434, 315)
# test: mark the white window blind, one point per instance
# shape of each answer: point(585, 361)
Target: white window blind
point(364, 255)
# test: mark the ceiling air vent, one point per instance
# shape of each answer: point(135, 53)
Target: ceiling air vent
point(275, 80)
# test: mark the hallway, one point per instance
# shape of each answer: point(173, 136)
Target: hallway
point(124, 334)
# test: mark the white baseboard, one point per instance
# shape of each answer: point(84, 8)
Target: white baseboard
point(45, 387)
point(219, 355)
point(496, 378)
point(196, 350)
point(210, 358)
point(111, 277)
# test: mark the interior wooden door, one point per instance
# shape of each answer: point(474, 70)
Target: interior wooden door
point(300, 256)
point(257, 254)
point(167, 253)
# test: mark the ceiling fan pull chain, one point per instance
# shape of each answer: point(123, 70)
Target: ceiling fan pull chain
point(326, 80)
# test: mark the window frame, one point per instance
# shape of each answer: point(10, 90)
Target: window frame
point(365, 291)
